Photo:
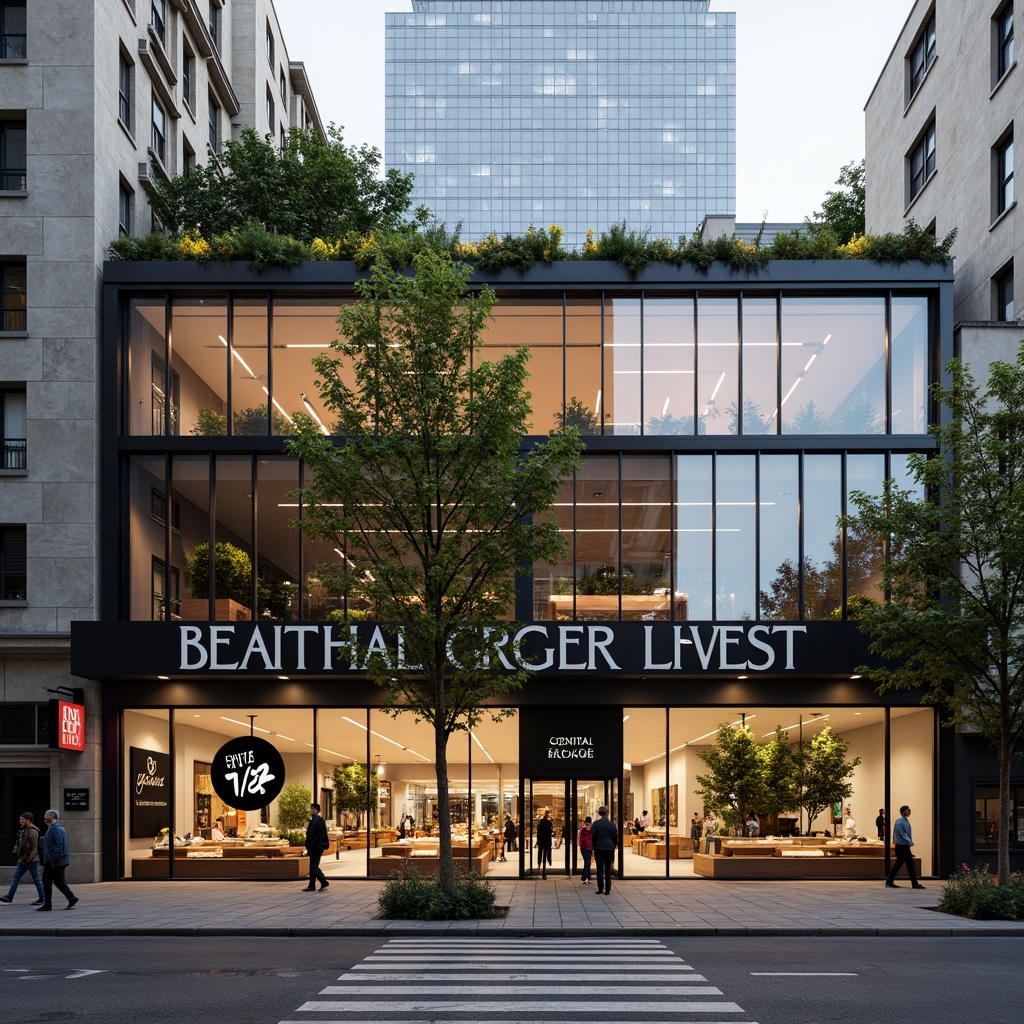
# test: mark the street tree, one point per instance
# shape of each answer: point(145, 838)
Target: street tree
point(432, 493)
point(842, 209)
point(954, 573)
point(822, 773)
point(311, 187)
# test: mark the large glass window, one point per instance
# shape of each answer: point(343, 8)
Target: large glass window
point(250, 395)
point(597, 538)
point(583, 365)
point(12, 30)
point(779, 483)
point(735, 537)
point(13, 158)
point(718, 365)
point(646, 538)
point(822, 551)
point(13, 419)
point(233, 570)
point(623, 360)
point(190, 494)
point(668, 365)
point(760, 366)
point(833, 366)
point(694, 525)
point(13, 296)
point(278, 544)
point(922, 160)
point(148, 384)
point(200, 360)
point(1003, 27)
point(988, 820)
point(909, 364)
point(864, 555)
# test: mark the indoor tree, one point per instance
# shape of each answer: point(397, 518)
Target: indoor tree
point(822, 773)
point(432, 493)
point(734, 785)
point(355, 791)
point(953, 623)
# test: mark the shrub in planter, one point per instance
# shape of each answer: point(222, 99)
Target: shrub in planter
point(293, 808)
point(413, 897)
point(975, 893)
point(232, 569)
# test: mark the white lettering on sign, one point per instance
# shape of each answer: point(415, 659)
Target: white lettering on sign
point(570, 748)
point(577, 647)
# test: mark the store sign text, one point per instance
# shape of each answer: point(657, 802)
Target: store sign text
point(536, 648)
point(570, 748)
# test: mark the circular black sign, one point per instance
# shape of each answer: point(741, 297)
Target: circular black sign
point(247, 773)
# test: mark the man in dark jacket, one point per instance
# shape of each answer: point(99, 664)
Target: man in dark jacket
point(545, 830)
point(606, 842)
point(27, 849)
point(56, 858)
point(316, 843)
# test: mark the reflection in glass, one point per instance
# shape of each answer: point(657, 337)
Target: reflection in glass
point(553, 584)
point(760, 350)
point(583, 364)
point(250, 394)
point(717, 365)
point(147, 533)
point(735, 537)
point(232, 569)
point(822, 550)
point(693, 534)
point(864, 554)
point(909, 363)
point(190, 494)
point(147, 825)
point(833, 366)
point(780, 537)
point(277, 570)
point(668, 365)
point(199, 359)
point(623, 361)
point(148, 386)
point(597, 539)
point(646, 538)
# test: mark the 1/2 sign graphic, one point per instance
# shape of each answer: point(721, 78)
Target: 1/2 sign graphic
point(247, 773)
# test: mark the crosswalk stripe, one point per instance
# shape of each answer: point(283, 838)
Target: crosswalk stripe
point(435, 1006)
point(597, 976)
point(504, 1020)
point(527, 990)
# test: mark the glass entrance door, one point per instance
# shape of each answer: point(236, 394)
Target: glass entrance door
point(568, 801)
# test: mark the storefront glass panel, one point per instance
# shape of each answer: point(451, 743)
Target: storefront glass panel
point(148, 776)
point(147, 538)
point(250, 392)
point(149, 389)
point(864, 556)
point(623, 360)
point(760, 366)
point(833, 366)
point(190, 502)
point(735, 537)
point(277, 542)
point(646, 538)
point(233, 553)
point(822, 569)
point(693, 534)
point(779, 506)
point(909, 362)
point(668, 365)
point(199, 361)
point(718, 365)
point(583, 364)
point(597, 538)
point(553, 584)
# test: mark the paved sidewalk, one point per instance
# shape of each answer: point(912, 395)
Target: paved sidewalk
point(556, 907)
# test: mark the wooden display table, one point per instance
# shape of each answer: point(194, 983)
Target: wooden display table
point(249, 866)
point(422, 854)
point(606, 606)
point(821, 858)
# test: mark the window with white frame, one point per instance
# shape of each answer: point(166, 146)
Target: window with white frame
point(922, 160)
point(1002, 163)
point(921, 56)
point(13, 416)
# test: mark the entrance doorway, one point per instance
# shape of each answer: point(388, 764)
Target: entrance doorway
point(569, 802)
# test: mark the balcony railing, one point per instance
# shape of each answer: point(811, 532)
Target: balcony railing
point(13, 179)
point(12, 318)
point(15, 453)
point(12, 46)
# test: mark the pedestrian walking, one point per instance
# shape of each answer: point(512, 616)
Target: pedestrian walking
point(27, 849)
point(316, 843)
point(585, 844)
point(606, 841)
point(56, 859)
point(903, 840)
point(545, 830)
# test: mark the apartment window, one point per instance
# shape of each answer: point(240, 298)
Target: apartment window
point(158, 142)
point(1003, 24)
point(13, 156)
point(161, 394)
point(1003, 166)
point(922, 160)
point(989, 817)
point(188, 156)
point(1002, 288)
point(125, 204)
point(214, 24)
point(158, 510)
point(922, 55)
point(13, 301)
point(15, 424)
point(12, 30)
point(161, 593)
point(270, 108)
point(188, 77)
point(214, 115)
point(125, 91)
point(12, 563)
point(284, 137)
point(284, 87)
point(157, 17)
point(270, 45)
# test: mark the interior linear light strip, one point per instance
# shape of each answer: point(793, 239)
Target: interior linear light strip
point(327, 750)
point(672, 750)
point(258, 728)
point(312, 412)
point(248, 370)
point(482, 747)
point(387, 739)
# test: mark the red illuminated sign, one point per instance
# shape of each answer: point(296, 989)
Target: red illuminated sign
point(70, 726)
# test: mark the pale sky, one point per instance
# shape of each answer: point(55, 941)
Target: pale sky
point(805, 69)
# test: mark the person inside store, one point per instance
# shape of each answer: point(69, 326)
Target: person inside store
point(903, 841)
point(316, 843)
point(217, 832)
point(585, 844)
point(709, 833)
point(545, 831)
point(753, 825)
point(850, 825)
point(880, 823)
point(696, 829)
point(511, 833)
point(606, 841)
point(644, 822)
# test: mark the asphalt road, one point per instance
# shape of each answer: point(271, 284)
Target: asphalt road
point(242, 980)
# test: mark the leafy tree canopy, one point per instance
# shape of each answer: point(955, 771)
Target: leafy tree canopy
point(842, 209)
point(312, 187)
point(954, 624)
point(822, 773)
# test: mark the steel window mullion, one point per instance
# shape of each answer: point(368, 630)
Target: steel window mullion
point(714, 535)
point(739, 365)
point(800, 531)
point(696, 363)
point(229, 426)
point(843, 576)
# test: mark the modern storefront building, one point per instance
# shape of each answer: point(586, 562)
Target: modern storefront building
point(580, 113)
point(728, 418)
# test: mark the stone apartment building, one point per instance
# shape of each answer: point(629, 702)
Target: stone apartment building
point(97, 99)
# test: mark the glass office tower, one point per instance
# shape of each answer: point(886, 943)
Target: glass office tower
point(581, 113)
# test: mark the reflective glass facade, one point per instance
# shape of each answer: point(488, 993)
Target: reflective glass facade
point(581, 113)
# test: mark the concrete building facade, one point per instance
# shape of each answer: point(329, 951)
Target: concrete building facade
point(581, 113)
point(98, 99)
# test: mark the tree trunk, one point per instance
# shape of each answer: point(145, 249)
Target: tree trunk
point(1003, 831)
point(445, 866)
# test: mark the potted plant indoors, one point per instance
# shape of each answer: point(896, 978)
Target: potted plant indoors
point(232, 573)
